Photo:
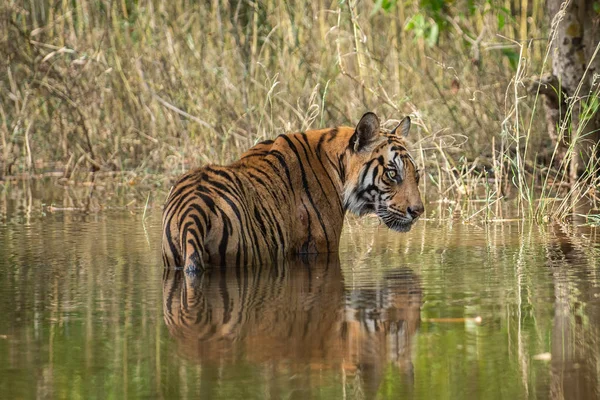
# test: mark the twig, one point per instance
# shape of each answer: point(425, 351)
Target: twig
point(487, 206)
point(183, 113)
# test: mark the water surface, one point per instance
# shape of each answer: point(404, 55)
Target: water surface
point(447, 311)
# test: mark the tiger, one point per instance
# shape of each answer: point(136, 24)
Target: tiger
point(298, 317)
point(290, 195)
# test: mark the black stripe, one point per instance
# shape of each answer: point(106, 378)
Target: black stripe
point(342, 168)
point(335, 189)
point(281, 158)
point(239, 208)
point(310, 165)
point(227, 304)
point(363, 174)
point(172, 246)
point(224, 237)
point(307, 188)
point(277, 195)
point(178, 194)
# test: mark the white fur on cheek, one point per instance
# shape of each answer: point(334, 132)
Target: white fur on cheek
point(352, 201)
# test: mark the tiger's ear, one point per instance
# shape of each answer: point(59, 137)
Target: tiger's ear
point(404, 127)
point(366, 130)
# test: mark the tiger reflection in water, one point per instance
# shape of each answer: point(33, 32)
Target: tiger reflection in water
point(294, 317)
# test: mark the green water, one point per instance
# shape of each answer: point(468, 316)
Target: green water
point(86, 311)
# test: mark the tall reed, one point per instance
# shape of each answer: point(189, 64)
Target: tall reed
point(161, 86)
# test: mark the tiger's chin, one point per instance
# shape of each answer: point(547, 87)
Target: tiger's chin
point(396, 222)
point(399, 226)
point(391, 220)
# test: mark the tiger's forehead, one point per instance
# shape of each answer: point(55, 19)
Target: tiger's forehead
point(391, 143)
point(394, 148)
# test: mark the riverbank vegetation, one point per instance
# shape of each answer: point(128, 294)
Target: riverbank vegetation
point(142, 91)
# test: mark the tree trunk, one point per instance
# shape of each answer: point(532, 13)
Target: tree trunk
point(573, 50)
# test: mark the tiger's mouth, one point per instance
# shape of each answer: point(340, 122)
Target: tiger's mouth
point(395, 221)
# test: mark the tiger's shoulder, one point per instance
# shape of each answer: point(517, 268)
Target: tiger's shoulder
point(260, 149)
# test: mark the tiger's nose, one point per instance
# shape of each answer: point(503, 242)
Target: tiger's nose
point(416, 211)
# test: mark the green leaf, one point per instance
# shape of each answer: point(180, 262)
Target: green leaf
point(513, 57)
point(501, 21)
point(417, 25)
point(590, 108)
point(388, 4)
point(433, 35)
point(471, 7)
point(385, 5)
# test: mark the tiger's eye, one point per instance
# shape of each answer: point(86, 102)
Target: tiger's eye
point(392, 174)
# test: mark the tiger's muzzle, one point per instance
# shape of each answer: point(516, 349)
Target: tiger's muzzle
point(400, 221)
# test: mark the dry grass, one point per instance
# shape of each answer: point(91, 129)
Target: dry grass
point(159, 87)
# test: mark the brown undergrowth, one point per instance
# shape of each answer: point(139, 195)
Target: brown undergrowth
point(123, 89)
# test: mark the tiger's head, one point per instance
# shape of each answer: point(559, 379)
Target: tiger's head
point(383, 178)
